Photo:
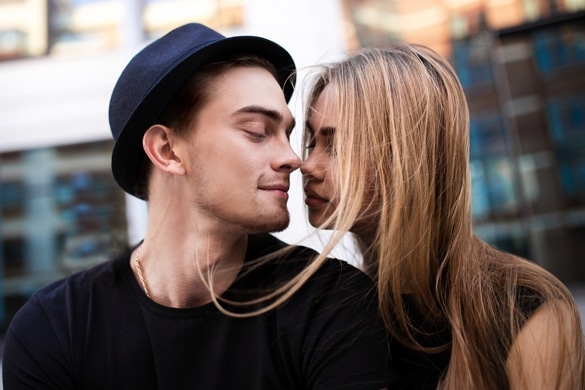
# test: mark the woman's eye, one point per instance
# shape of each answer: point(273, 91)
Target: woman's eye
point(310, 144)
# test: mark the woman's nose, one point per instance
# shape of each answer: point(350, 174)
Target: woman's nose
point(308, 166)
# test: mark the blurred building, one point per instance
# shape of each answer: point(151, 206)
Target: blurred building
point(539, 77)
point(522, 65)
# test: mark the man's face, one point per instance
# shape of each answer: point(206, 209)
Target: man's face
point(238, 156)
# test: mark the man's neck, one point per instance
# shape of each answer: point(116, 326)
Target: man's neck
point(183, 269)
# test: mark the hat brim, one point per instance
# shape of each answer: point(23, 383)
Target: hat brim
point(128, 153)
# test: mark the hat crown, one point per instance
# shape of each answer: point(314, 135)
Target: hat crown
point(149, 67)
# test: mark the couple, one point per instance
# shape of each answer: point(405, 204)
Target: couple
point(209, 300)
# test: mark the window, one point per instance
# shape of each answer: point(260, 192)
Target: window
point(567, 125)
point(487, 136)
point(558, 47)
point(472, 61)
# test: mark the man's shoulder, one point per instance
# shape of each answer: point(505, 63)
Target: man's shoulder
point(82, 282)
point(265, 243)
point(296, 257)
point(343, 277)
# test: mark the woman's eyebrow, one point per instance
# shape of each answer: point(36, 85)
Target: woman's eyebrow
point(327, 131)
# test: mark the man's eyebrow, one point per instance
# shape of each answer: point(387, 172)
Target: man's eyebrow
point(274, 115)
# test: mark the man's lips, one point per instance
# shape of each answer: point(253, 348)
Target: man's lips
point(312, 199)
point(278, 189)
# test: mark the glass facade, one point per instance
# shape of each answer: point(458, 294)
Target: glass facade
point(567, 123)
point(472, 60)
point(493, 179)
point(557, 47)
point(542, 76)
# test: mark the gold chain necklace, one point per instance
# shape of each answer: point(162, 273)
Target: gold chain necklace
point(139, 270)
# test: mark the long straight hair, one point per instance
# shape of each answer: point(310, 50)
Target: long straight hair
point(402, 147)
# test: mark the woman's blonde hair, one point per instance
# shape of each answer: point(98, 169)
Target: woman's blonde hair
point(402, 144)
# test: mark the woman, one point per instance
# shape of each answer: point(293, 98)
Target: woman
point(387, 159)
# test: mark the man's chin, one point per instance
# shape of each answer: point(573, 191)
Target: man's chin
point(272, 225)
point(278, 229)
point(279, 226)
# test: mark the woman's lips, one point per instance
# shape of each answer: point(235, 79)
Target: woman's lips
point(314, 200)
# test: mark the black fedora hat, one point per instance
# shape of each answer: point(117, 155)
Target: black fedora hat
point(157, 72)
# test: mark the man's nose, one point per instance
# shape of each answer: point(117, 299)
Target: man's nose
point(288, 160)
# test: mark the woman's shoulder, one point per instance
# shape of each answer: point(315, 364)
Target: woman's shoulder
point(548, 348)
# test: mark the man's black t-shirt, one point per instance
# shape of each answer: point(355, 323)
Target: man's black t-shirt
point(97, 330)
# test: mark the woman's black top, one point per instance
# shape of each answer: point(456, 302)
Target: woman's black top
point(419, 370)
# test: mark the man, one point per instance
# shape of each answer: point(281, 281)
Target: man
point(202, 133)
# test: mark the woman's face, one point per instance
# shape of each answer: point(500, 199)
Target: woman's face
point(319, 177)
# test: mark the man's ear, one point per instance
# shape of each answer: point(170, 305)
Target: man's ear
point(158, 143)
